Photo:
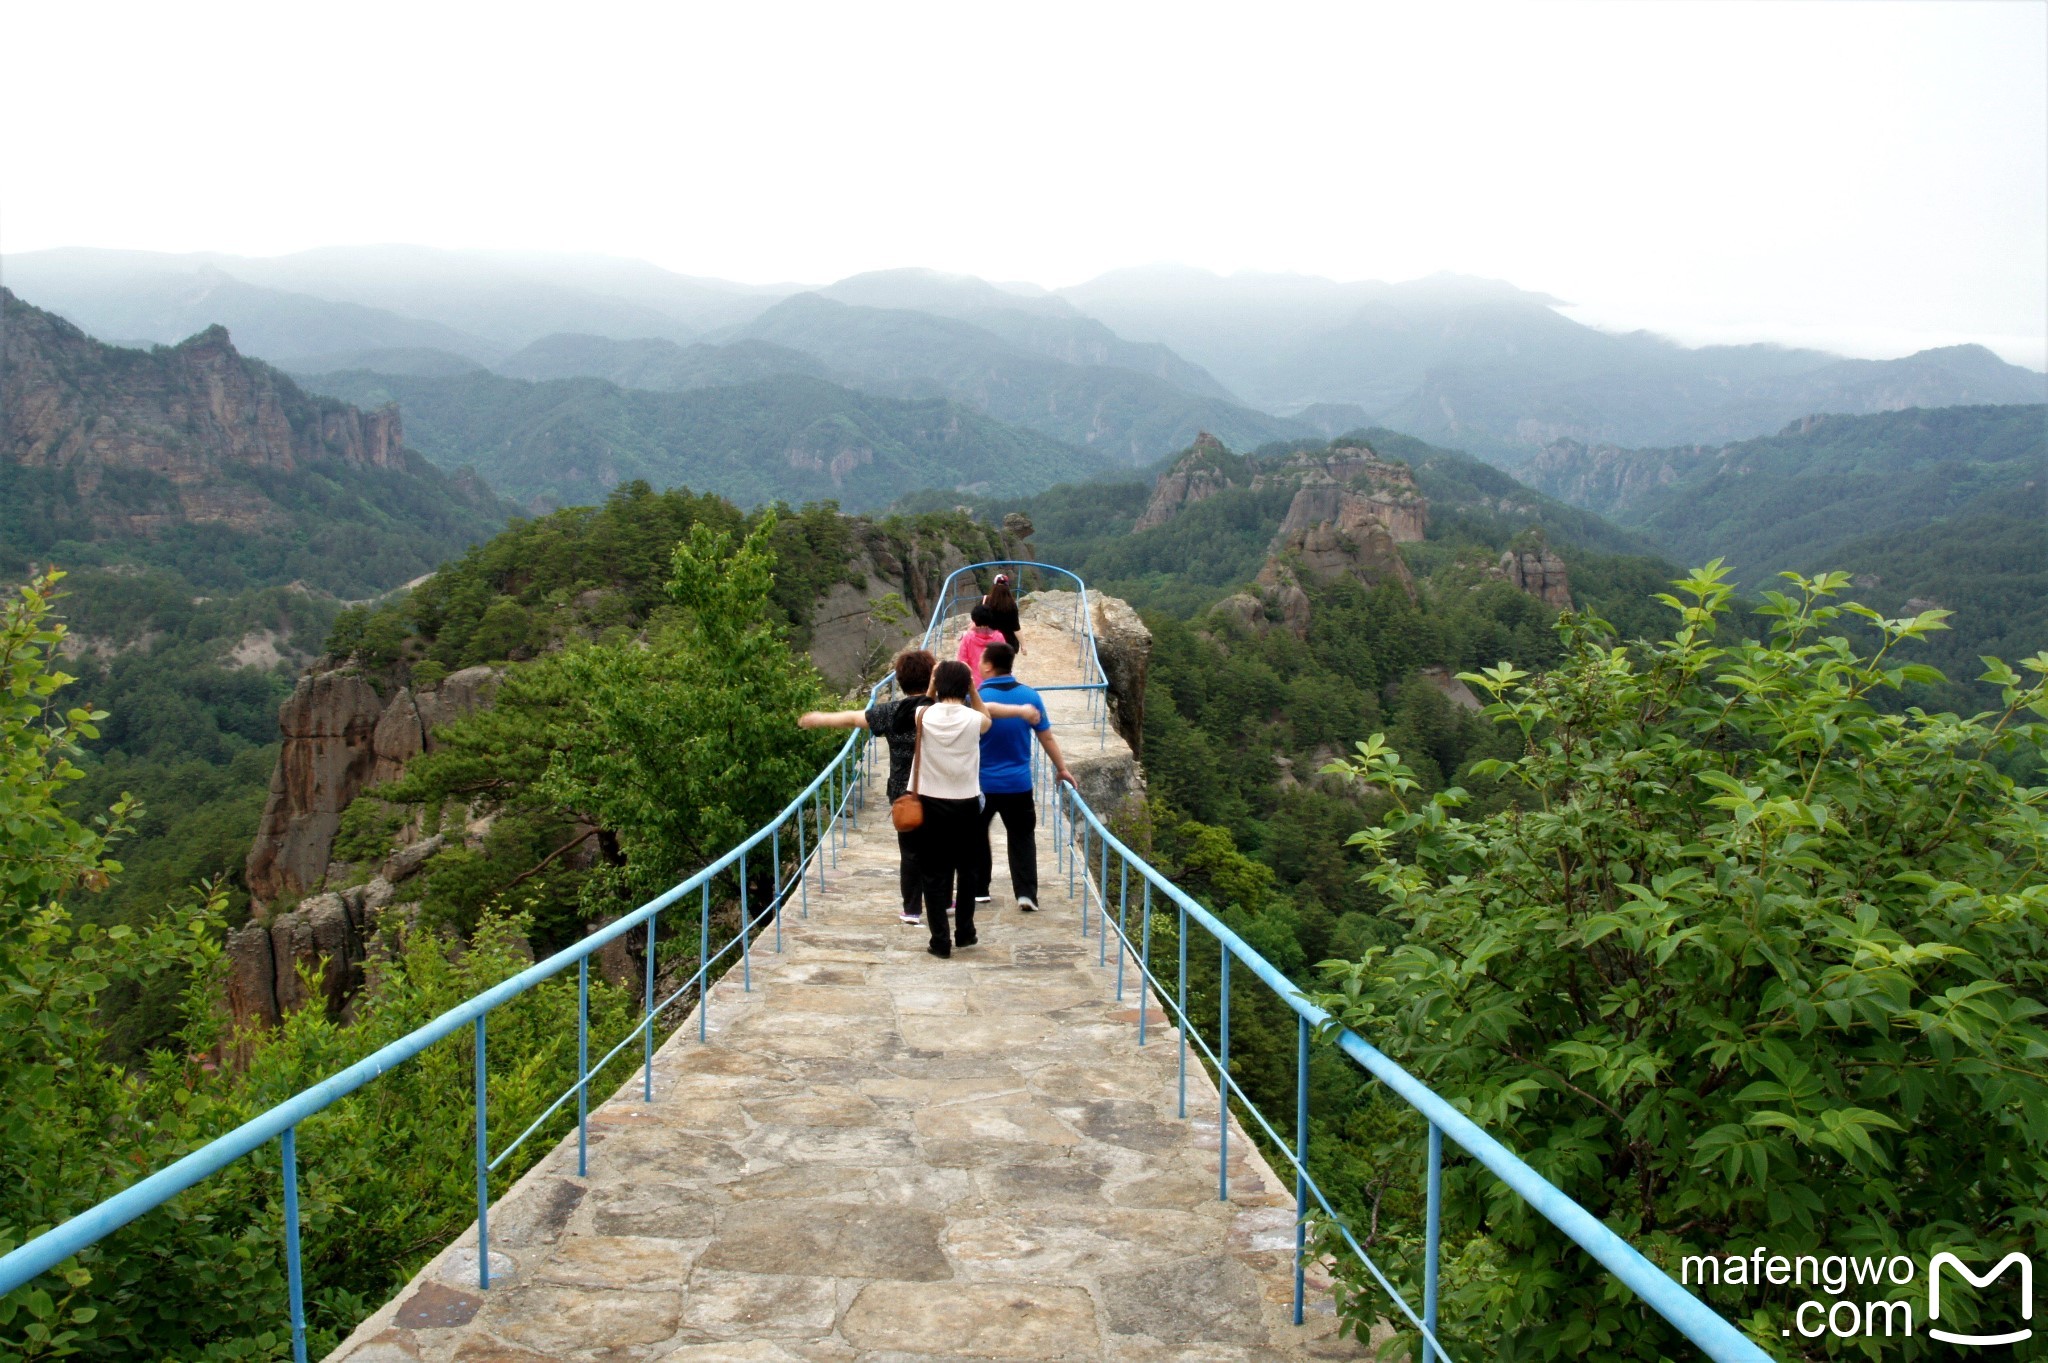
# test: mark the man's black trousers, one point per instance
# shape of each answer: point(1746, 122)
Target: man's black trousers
point(1020, 820)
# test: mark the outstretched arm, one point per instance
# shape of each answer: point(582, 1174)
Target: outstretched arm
point(1027, 713)
point(1059, 761)
point(833, 719)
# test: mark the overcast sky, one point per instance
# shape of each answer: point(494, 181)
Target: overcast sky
point(1868, 176)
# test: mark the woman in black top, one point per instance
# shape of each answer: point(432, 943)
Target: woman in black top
point(896, 722)
point(998, 611)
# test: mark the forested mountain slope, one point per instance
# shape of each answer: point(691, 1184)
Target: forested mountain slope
point(1041, 322)
point(1208, 521)
point(1944, 507)
point(783, 438)
point(650, 363)
point(195, 458)
point(1130, 417)
point(1788, 500)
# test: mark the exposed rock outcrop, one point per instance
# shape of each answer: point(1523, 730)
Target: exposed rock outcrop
point(1453, 689)
point(1607, 478)
point(1280, 585)
point(183, 413)
point(1350, 513)
point(265, 957)
point(1206, 469)
point(857, 626)
point(340, 736)
point(1539, 571)
point(1124, 645)
point(1348, 487)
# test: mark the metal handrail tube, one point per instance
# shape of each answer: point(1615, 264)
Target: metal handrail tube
point(842, 783)
point(60, 1242)
point(1226, 1084)
point(1694, 1319)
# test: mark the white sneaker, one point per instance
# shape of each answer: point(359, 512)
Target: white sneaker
point(915, 920)
point(1028, 904)
point(981, 899)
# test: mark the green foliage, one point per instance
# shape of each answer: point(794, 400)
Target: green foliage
point(385, 1172)
point(596, 574)
point(341, 529)
point(1751, 960)
point(1218, 545)
point(685, 745)
point(661, 752)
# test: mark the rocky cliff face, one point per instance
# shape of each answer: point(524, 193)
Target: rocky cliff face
point(186, 414)
point(1205, 470)
point(1540, 572)
point(1348, 487)
point(1351, 512)
point(340, 737)
point(856, 627)
point(1606, 478)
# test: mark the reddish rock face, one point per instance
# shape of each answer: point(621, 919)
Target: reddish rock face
point(1348, 488)
point(340, 736)
point(1539, 572)
point(1197, 476)
point(185, 413)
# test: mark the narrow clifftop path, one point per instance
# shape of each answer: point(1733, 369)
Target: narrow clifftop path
point(883, 1157)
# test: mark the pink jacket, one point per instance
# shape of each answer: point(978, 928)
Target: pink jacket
point(973, 642)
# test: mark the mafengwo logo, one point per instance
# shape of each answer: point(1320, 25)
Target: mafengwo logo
point(1839, 1310)
point(2026, 1284)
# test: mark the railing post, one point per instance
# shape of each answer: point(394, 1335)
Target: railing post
point(1432, 1233)
point(746, 932)
point(583, 1067)
point(1300, 1160)
point(1183, 1006)
point(483, 1172)
point(1145, 963)
point(1223, 1087)
point(803, 878)
point(1102, 905)
point(1083, 830)
point(647, 1023)
point(295, 1288)
point(704, 963)
point(1123, 894)
point(775, 858)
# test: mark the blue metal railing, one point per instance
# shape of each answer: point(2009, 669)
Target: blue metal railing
point(819, 816)
point(1693, 1318)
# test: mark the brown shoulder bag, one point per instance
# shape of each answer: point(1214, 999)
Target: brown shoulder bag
point(906, 811)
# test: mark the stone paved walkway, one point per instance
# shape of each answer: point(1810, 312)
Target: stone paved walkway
point(883, 1157)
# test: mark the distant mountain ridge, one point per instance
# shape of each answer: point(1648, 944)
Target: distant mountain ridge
point(1790, 500)
point(788, 437)
point(1945, 507)
point(656, 365)
point(196, 458)
point(1132, 363)
point(1130, 417)
point(1497, 369)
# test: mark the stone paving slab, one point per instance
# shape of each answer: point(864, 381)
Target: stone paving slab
point(883, 1157)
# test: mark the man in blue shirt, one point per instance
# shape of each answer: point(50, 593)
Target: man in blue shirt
point(1006, 777)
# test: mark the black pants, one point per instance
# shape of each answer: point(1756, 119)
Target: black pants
point(907, 878)
point(945, 863)
point(1020, 818)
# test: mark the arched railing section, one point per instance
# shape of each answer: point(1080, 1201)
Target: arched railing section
point(812, 827)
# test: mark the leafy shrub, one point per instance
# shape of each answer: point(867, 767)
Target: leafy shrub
point(1753, 962)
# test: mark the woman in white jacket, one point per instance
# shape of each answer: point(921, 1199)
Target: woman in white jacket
point(949, 783)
